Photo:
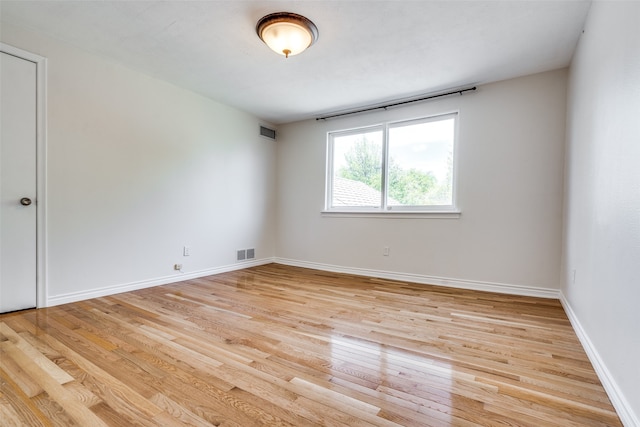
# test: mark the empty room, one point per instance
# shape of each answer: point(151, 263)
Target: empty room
point(320, 213)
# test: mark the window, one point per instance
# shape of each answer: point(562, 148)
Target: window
point(393, 167)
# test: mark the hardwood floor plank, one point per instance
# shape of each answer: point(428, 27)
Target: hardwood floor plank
point(74, 408)
point(285, 346)
point(108, 385)
point(178, 411)
point(38, 358)
point(9, 416)
point(22, 405)
point(54, 412)
point(27, 385)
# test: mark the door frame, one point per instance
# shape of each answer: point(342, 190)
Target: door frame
point(41, 168)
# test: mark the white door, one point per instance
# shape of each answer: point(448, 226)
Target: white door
point(17, 183)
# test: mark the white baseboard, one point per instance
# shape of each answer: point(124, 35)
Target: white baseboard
point(429, 280)
point(133, 286)
point(620, 403)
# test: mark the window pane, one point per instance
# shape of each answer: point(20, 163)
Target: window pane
point(357, 169)
point(420, 168)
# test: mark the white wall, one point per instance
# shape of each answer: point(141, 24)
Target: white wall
point(137, 168)
point(510, 183)
point(602, 214)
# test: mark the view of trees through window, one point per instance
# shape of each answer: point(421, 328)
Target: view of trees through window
point(419, 166)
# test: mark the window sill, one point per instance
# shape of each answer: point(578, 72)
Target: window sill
point(392, 214)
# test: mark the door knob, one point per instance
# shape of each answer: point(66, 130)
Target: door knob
point(25, 201)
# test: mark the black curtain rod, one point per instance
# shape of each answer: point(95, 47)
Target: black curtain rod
point(395, 104)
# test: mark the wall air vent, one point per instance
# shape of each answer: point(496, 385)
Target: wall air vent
point(267, 133)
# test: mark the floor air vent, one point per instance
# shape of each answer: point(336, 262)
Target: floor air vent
point(267, 133)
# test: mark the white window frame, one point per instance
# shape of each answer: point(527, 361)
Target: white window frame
point(383, 210)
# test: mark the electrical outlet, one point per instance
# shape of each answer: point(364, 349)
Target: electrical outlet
point(385, 251)
point(177, 267)
point(186, 251)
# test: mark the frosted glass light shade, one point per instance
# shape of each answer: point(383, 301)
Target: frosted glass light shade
point(287, 33)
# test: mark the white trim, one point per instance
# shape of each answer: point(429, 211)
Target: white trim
point(41, 168)
point(133, 286)
point(502, 288)
point(392, 214)
point(620, 403)
point(15, 51)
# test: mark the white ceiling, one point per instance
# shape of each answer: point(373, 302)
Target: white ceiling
point(367, 52)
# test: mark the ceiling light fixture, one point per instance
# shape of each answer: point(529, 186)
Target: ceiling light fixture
point(287, 33)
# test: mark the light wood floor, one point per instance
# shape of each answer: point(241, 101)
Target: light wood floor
point(284, 346)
